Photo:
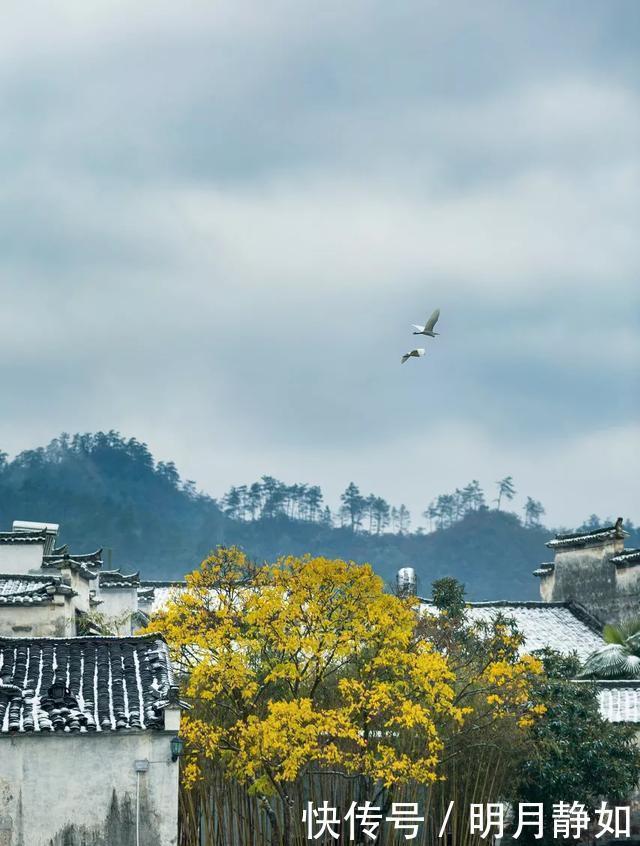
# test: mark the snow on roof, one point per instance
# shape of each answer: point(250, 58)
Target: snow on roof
point(11, 583)
point(23, 537)
point(27, 589)
point(627, 558)
point(116, 579)
point(563, 626)
point(35, 526)
point(619, 701)
point(589, 538)
point(545, 569)
point(84, 684)
point(61, 553)
point(68, 562)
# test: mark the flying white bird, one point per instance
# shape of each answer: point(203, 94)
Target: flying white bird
point(412, 354)
point(427, 329)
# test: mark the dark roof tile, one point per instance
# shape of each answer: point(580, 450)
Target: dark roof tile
point(91, 559)
point(23, 537)
point(627, 558)
point(116, 579)
point(77, 565)
point(29, 589)
point(589, 538)
point(105, 684)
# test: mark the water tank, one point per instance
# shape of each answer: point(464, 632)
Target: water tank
point(407, 581)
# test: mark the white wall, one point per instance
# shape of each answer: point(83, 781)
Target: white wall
point(55, 619)
point(71, 790)
point(81, 586)
point(588, 576)
point(20, 558)
point(120, 603)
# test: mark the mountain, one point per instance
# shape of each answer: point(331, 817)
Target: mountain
point(108, 491)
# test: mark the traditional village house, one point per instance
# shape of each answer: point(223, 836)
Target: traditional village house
point(119, 691)
point(594, 569)
point(48, 591)
point(98, 715)
point(36, 605)
point(592, 581)
point(43, 590)
point(88, 742)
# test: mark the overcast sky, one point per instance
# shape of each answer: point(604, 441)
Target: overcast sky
point(218, 221)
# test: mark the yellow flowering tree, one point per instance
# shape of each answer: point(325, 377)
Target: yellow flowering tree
point(307, 663)
point(309, 668)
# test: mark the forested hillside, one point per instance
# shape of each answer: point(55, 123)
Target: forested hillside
point(108, 491)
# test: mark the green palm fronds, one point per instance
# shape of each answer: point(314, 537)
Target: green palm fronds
point(622, 632)
point(619, 657)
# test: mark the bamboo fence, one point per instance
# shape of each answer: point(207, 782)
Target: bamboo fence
point(219, 811)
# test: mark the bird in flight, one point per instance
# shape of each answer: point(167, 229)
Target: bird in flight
point(413, 354)
point(427, 329)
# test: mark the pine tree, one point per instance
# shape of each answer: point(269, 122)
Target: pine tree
point(506, 489)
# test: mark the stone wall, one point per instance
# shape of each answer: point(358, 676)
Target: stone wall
point(81, 789)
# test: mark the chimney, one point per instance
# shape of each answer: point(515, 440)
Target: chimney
point(49, 530)
point(407, 582)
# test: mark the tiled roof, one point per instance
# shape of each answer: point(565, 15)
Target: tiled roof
point(563, 626)
point(69, 562)
point(545, 569)
point(91, 559)
point(589, 538)
point(108, 684)
point(620, 701)
point(116, 579)
point(29, 590)
point(23, 537)
point(627, 558)
point(11, 583)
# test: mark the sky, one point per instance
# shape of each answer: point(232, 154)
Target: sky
point(218, 222)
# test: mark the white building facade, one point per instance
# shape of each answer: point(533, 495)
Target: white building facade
point(86, 726)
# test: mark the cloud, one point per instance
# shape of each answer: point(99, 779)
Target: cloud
point(218, 223)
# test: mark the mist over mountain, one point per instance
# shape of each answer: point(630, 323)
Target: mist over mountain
point(109, 491)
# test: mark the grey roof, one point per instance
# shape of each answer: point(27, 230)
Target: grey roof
point(24, 537)
point(29, 590)
point(117, 580)
point(108, 684)
point(563, 626)
point(91, 559)
point(69, 562)
point(627, 558)
point(545, 569)
point(589, 538)
point(10, 583)
point(619, 701)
